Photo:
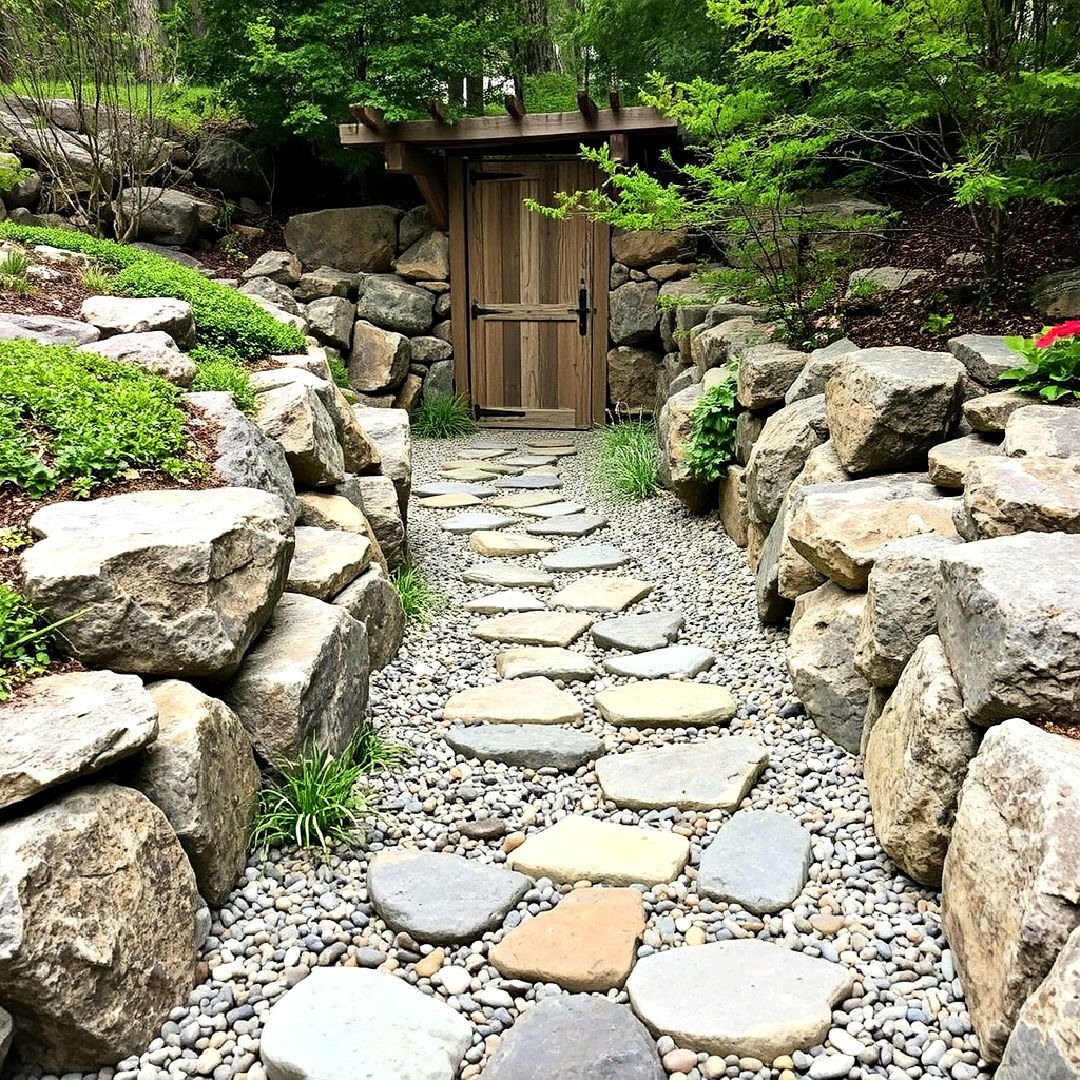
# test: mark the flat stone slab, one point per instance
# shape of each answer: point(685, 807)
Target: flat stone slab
point(448, 502)
point(337, 1017)
point(525, 500)
point(562, 664)
point(558, 628)
point(552, 510)
point(326, 560)
point(586, 557)
point(467, 476)
point(714, 775)
point(484, 452)
point(555, 450)
point(543, 470)
point(586, 943)
point(452, 487)
point(506, 574)
point(487, 444)
point(687, 660)
point(759, 860)
point(527, 746)
point(508, 600)
point(475, 522)
point(441, 898)
point(507, 545)
point(518, 701)
point(581, 848)
point(528, 483)
point(604, 594)
point(666, 703)
point(748, 998)
point(570, 525)
point(638, 633)
point(529, 461)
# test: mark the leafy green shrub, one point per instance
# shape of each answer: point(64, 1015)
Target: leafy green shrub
point(76, 416)
point(24, 640)
point(628, 461)
point(419, 598)
point(712, 440)
point(1051, 363)
point(217, 370)
point(443, 416)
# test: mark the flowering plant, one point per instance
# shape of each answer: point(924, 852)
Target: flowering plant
point(1051, 366)
point(827, 329)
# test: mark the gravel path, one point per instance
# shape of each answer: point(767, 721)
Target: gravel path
point(906, 1017)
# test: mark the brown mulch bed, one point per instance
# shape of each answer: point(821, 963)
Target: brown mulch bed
point(1070, 731)
point(63, 297)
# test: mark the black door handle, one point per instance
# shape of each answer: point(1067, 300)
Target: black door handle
point(583, 309)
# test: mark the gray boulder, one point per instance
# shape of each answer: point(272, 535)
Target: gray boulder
point(281, 267)
point(632, 376)
point(820, 367)
point(153, 350)
point(138, 314)
point(439, 379)
point(326, 281)
point(428, 259)
point(377, 498)
point(331, 321)
point(164, 216)
point(726, 338)
point(379, 358)
point(985, 356)
point(674, 429)
point(294, 417)
point(1057, 295)
point(326, 560)
point(948, 462)
point(46, 329)
point(1043, 431)
point(226, 164)
point(641, 248)
point(748, 428)
point(427, 350)
point(766, 373)
point(632, 314)
point(351, 238)
point(265, 288)
point(372, 600)
point(394, 305)
point(388, 429)
point(990, 413)
point(1003, 496)
point(413, 225)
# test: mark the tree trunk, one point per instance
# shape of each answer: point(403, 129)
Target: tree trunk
point(540, 55)
point(474, 95)
point(148, 39)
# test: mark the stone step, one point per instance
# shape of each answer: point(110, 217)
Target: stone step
point(551, 510)
point(759, 860)
point(508, 575)
point(475, 522)
point(534, 628)
point(586, 557)
point(483, 453)
point(562, 664)
point(685, 660)
point(467, 475)
point(638, 633)
point(452, 487)
point(524, 500)
point(522, 701)
point(715, 775)
point(666, 703)
point(507, 545)
point(492, 468)
point(568, 525)
point(543, 470)
point(602, 594)
point(555, 450)
point(492, 444)
point(500, 603)
point(528, 461)
point(448, 502)
point(579, 848)
point(746, 998)
point(528, 483)
point(527, 746)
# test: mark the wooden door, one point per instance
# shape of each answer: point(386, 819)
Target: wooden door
point(537, 297)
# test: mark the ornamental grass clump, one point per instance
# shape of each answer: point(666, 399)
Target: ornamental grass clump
point(443, 416)
point(1051, 363)
point(419, 598)
point(628, 461)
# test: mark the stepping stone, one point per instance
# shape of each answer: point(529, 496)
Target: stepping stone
point(505, 574)
point(492, 467)
point(543, 470)
point(534, 628)
point(507, 545)
point(666, 703)
point(555, 450)
point(503, 448)
point(714, 775)
point(528, 746)
point(474, 522)
point(466, 475)
point(529, 483)
point(638, 633)
point(575, 1037)
point(759, 860)
point(444, 899)
point(570, 525)
point(586, 943)
point(526, 499)
point(554, 509)
point(581, 848)
point(484, 452)
point(525, 701)
point(448, 502)
point(746, 998)
point(529, 461)
point(338, 1016)
point(499, 603)
point(688, 660)
point(601, 593)
point(452, 487)
point(561, 664)
point(586, 557)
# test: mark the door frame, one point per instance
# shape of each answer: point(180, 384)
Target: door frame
point(460, 299)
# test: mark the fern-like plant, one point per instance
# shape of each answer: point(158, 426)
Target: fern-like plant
point(712, 440)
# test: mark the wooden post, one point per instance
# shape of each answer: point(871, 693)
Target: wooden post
point(620, 146)
point(587, 106)
point(614, 100)
point(428, 172)
point(437, 110)
point(514, 106)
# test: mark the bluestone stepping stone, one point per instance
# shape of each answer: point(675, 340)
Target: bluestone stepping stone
point(523, 701)
point(666, 703)
point(487, 444)
point(604, 594)
point(508, 575)
point(712, 775)
point(534, 628)
point(337, 1017)
point(529, 461)
point(466, 475)
point(687, 660)
point(586, 557)
point(562, 664)
point(551, 510)
point(759, 860)
point(579, 848)
point(570, 525)
point(475, 521)
point(508, 600)
point(528, 483)
point(524, 500)
point(452, 487)
point(492, 468)
point(543, 470)
point(748, 998)
point(441, 898)
point(507, 545)
point(528, 746)
point(484, 452)
point(448, 502)
point(576, 1038)
point(638, 633)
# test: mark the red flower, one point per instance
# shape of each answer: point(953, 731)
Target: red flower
point(1066, 329)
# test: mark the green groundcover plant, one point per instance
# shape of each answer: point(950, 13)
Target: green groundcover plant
point(628, 461)
point(24, 640)
point(443, 416)
point(712, 441)
point(1051, 363)
point(419, 598)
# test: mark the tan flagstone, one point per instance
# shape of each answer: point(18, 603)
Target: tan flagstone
point(597, 593)
point(519, 701)
point(507, 545)
point(557, 628)
point(666, 703)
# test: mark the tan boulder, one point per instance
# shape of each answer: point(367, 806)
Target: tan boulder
point(642, 248)
point(766, 373)
point(990, 413)
point(1007, 495)
point(674, 429)
point(948, 462)
point(733, 505)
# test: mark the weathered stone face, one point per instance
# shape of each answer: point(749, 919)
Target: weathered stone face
point(1057, 295)
point(88, 993)
point(373, 601)
point(164, 582)
point(1009, 889)
point(294, 417)
point(272, 291)
point(674, 430)
point(378, 499)
point(948, 461)
point(916, 756)
point(766, 373)
point(427, 259)
point(391, 303)
point(350, 238)
point(165, 216)
point(331, 320)
point(632, 313)
point(748, 428)
point(820, 367)
point(632, 378)
point(646, 247)
point(153, 350)
point(985, 356)
point(1043, 431)
point(379, 358)
point(139, 315)
point(1003, 496)
point(733, 508)
point(47, 329)
point(990, 412)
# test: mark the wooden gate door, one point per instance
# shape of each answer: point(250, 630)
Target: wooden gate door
point(537, 297)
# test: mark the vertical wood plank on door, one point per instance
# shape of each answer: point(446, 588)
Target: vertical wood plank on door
point(458, 194)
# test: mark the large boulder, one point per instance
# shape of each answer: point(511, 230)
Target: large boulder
point(413, 225)
point(916, 756)
point(281, 267)
point(162, 215)
point(766, 373)
point(97, 939)
point(349, 238)
point(326, 560)
point(388, 429)
point(632, 313)
point(1004, 495)
point(326, 281)
point(372, 600)
point(748, 428)
point(379, 359)
point(294, 417)
point(820, 367)
point(428, 259)
point(642, 248)
point(305, 678)
point(273, 292)
point(153, 350)
point(1043, 431)
point(985, 356)
point(674, 429)
point(887, 407)
point(377, 498)
point(331, 320)
point(226, 164)
point(733, 509)
point(726, 338)
point(200, 772)
point(821, 659)
point(1009, 894)
point(393, 304)
point(990, 413)
point(632, 374)
point(161, 582)
point(947, 463)
point(1009, 617)
point(65, 727)
point(47, 329)
point(140, 314)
